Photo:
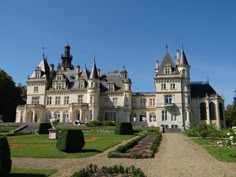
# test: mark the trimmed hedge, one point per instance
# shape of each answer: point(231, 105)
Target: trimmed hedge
point(5, 157)
point(70, 140)
point(43, 128)
point(124, 128)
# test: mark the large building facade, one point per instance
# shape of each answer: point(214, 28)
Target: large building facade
point(70, 93)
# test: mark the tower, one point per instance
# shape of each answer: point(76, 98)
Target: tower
point(67, 58)
point(94, 93)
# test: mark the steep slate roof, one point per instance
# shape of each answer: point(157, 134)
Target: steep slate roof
point(167, 61)
point(111, 77)
point(44, 67)
point(94, 72)
point(201, 89)
point(183, 59)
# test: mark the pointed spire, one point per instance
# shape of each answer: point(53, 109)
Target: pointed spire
point(166, 47)
point(94, 72)
point(183, 59)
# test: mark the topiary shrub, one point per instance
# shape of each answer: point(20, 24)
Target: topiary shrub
point(124, 128)
point(5, 157)
point(43, 128)
point(70, 140)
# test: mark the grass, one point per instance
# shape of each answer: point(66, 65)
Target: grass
point(39, 146)
point(22, 172)
point(222, 154)
point(6, 129)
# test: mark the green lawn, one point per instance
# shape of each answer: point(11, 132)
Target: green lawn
point(40, 146)
point(6, 129)
point(21, 172)
point(222, 154)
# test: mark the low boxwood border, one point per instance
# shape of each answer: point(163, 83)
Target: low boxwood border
point(93, 170)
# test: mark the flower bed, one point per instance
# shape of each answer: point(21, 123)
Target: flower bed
point(144, 146)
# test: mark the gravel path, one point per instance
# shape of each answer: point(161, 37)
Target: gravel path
point(178, 156)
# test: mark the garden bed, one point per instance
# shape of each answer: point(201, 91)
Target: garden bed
point(144, 146)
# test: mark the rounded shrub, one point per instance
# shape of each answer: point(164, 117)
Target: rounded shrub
point(70, 140)
point(124, 128)
point(43, 128)
point(5, 157)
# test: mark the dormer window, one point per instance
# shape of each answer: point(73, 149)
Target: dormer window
point(167, 70)
point(37, 74)
point(111, 87)
point(81, 84)
point(59, 86)
point(59, 78)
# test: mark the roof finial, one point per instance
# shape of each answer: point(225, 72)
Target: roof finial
point(43, 52)
point(166, 47)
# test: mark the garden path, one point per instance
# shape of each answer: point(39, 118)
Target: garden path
point(178, 156)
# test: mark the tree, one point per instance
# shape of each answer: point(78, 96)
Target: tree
point(230, 114)
point(10, 97)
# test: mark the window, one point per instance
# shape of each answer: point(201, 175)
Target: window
point(80, 99)
point(134, 102)
point(203, 114)
point(91, 114)
point(142, 117)
point(212, 111)
point(167, 70)
point(114, 100)
point(59, 78)
point(106, 102)
point(152, 117)
point(111, 87)
point(35, 100)
point(57, 101)
point(59, 86)
point(173, 117)
point(49, 100)
point(91, 99)
point(38, 74)
point(168, 99)
point(36, 89)
point(81, 84)
point(142, 102)
point(172, 86)
point(152, 102)
point(163, 86)
point(164, 115)
point(57, 115)
point(66, 100)
point(110, 116)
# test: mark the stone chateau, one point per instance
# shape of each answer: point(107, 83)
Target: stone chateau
point(71, 93)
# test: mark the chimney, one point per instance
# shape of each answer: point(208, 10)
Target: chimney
point(177, 57)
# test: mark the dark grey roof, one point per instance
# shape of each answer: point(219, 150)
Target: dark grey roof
point(183, 59)
point(94, 72)
point(143, 93)
point(111, 78)
point(201, 89)
point(167, 61)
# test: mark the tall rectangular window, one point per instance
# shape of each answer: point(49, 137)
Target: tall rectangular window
point(58, 86)
point(110, 116)
point(133, 102)
point(49, 100)
point(168, 99)
point(66, 100)
point(172, 86)
point(81, 84)
point(35, 100)
point(164, 115)
point(91, 99)
point(36, 89)
point(57, 100)
point(152, 102)
point(143, 102)
point(106, 102)
point(80, 99)
point(167, 70)
point(163, 86)
point(114, 100)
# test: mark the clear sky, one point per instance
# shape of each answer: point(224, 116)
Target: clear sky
point(133, 33)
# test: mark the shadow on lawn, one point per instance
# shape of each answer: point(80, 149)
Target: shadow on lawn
point(27, 175)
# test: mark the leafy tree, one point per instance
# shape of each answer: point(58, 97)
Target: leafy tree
point(230, 115)
point(10, 97)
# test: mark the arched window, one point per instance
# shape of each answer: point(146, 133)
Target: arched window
point(212, 111)
point(203, 111)
point(221, 111)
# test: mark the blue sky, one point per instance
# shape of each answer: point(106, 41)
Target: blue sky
point(133, 33)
